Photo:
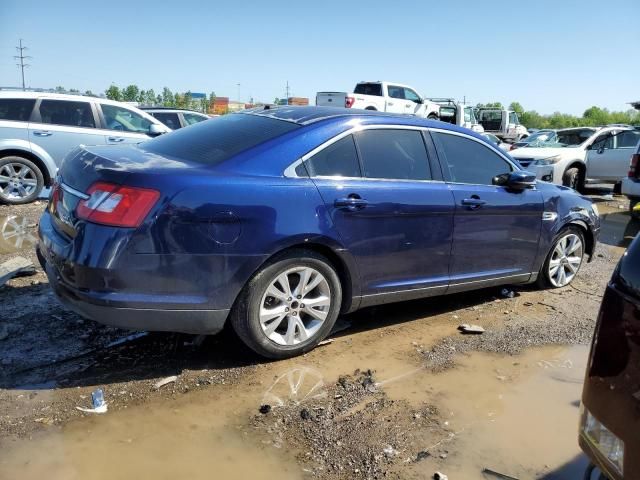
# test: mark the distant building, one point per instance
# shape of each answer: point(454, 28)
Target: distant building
point(294, 101)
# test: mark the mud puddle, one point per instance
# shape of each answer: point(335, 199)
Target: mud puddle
point(16, 234)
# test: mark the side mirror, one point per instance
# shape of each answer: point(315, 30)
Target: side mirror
point(420, 101)
point(155, 130)
point(518, 180)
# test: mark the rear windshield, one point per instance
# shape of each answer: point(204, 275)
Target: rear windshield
point(218, 139)
point(369, 89)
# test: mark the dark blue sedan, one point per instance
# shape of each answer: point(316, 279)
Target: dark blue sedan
point(278, 220)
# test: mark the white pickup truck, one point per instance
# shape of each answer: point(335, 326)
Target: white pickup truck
point(504, 124)
point(382, 96)
point(457, 114)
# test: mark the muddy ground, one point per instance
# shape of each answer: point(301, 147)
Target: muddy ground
point(358, 424)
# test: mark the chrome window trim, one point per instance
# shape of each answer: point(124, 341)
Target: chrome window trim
point(290, 171)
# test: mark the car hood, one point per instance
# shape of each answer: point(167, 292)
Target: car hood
point(537, 153)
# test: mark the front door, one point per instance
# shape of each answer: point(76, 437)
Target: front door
point(496, 231)
point(395, 221)
point(395, 100)
point(59, 126)
point(122, 125)
point(609, 156)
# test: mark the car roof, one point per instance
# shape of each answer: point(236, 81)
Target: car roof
point(59, 96)
point(169, 109)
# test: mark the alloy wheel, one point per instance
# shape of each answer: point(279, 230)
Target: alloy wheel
point(17, 181)
point(295, 305)
point(565, 260)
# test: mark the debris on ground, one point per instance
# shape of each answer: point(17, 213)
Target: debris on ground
point(326, 342)
point(507, 293)
point(389, 451)
point(264, 409)
point(440, 476)
point(502, 476)
point(472, 329)
point(422, 455)
point(165, 381)
point(16, 267)
point(97, 399)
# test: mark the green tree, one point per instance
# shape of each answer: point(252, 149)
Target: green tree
point(150, 97)
point(490, 105)
point(159, 100)
point(142, 97)
point(168, 99)
point(113, 93)
point(516, 107)
point(89, 93)
point(60, 89)
point(130, 94)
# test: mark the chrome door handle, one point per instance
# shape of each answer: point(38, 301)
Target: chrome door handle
point(473, 203)
point(116, 139)
point(351, 203)
point(42, 133)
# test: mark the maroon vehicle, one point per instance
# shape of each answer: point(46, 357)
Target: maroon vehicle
point(610, 416)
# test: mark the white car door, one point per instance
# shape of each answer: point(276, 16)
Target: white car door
point(413, 103)
point(609, 155)
point(395, 99)
point(123, 125)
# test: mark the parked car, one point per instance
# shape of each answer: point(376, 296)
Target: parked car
point(175, 118)
point(38, 129)
point(610, 417)
point(505, 147)
point(631, 184)
point(457, 114)
point(383, 97)
point(571, 159)
point(536, 139)
point(607, 159)
point(504, 124)
point(278, 221)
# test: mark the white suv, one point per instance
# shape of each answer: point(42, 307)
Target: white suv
point(577, 156)
point(37, 130)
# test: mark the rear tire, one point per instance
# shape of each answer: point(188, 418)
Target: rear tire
point(573, 178)
point(270, 315)
point(568, 245)
point(21, 181)
point(433, 117)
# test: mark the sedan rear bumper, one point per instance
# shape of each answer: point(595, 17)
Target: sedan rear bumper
point(92, 306)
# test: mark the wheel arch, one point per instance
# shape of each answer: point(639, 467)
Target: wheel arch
point(46, 174)
point(588, 235)
point(371, 107)
point(580, 165)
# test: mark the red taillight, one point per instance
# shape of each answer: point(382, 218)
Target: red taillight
point(117, 205)
point(348, 101)
point(633, 166)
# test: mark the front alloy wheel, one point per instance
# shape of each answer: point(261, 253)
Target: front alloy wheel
point(565, 260)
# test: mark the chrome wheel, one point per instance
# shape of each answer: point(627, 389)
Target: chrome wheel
point(17, 181)
point(15, 234)
point(565, 260)
point(295, 305)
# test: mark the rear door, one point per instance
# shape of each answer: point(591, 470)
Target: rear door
point(122, 125)
point(59, 126)
point(496, 231)
point(609, 156)
point(391, 212)
point(395, 102)
point(14, 118)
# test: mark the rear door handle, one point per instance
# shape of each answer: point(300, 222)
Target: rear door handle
point(42, 133)
point(116, 139)
point(351, 203)
point(473, 203)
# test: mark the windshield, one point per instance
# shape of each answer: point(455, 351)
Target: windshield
point(562, 139)
point(537, 138)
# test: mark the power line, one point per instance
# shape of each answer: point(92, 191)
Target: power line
point(22, 57)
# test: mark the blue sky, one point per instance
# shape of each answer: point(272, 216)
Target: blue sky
point(548, 55)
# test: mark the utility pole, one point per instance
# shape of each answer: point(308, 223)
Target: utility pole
point(22, 57)
point(287, 93)
point(238, 91)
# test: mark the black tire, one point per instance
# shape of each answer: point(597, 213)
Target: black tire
point(8, 192)
point(573, 178)
point(245, 318)
point(544, 280)
point(372, 108)
point(433, 117)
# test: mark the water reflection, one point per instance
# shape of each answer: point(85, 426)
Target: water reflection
point(15, 234)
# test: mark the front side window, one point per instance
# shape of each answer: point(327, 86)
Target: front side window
point(393, 154)
point(16, 109)
point(396, 92)
point(340, 159)
point(63, 112)
point(468, 161)
point(411, 95)
point(513, 118)
point(170, 119)
point(603, 142)
point(191, 118)
point(120, 118)
point(468, 115)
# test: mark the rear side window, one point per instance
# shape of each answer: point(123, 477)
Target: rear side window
point(396, 92)
point(191, 118)
point(340, 159)
point(369, 89)
point(123, 119)
point(18, 109)
point(171, 120)
point(219, 139)
point(63, 112)
point(393, 154)
point(468, 161)
point(628, 139)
